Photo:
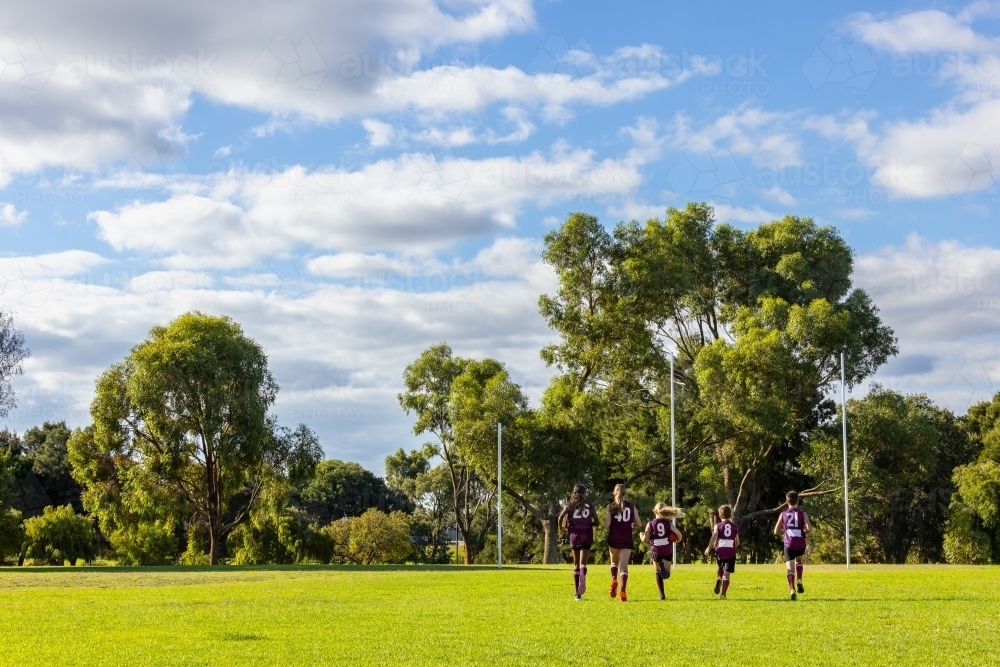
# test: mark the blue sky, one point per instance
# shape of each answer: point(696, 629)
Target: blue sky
point(356, 180)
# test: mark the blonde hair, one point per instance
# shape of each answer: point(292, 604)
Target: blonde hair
point(619, 501)
point(665, 511)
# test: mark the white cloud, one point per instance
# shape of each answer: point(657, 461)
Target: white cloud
point(754, 215)
point(90, 85)
point(951, 151)
point(337, 350)
point(65, 264)
point(357, 265)
point(927, 31)
point(10, 216)
point(379, 134)
point(779, 195)
point(91, 94)
point(762, 136)
point(943, 301)
point(412, 202)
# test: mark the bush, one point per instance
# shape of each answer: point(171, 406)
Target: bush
point(964, 544)
point(196, 552)
point(11, 534)
point(59, 535)
point(373, 537)
point(145, 544)
point(285, 537)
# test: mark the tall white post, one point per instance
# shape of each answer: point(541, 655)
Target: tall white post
point(499, 495)
point(673, 456)
point(847, 507)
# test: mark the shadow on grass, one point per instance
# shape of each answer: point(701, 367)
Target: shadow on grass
point(218, 569)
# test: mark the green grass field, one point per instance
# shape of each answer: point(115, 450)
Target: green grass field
point(912, 615)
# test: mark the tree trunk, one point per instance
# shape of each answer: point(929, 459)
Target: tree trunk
point(551, 528)
point(214, 537)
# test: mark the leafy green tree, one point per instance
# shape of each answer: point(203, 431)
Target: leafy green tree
point(756, 320)
point(186, 414)
point(137, 512)
point(428, 394)
point(372, 538)
point(344, 489)
point(11, 535)
point(304, 454)
point(545, 451)
point(59, 535)
point(974, 526)
point(428, 490)
point(46, 446)
point(894, 454)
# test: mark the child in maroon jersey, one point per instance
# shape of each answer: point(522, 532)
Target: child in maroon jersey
point(725, 540)
point(661, 534)
point(619, 519)
point(793, 524)
point(578, 518)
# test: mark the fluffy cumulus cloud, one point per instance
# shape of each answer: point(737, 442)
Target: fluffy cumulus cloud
point(764, 137)
point(337, 348)
point(927, 31)
point(952, 149)
point(415, 201)
point(82, 86)
point(943, 301)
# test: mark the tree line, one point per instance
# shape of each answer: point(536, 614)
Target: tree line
point(185, 463)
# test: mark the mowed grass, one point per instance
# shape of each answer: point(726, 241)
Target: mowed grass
point(878, 615)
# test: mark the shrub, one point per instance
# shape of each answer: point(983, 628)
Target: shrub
point(196, 552)
point(964, 544)
point(151, 543)
point(59, 535)
point(373, 537)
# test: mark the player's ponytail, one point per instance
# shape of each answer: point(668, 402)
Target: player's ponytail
point(618, 504)
point(665, 511)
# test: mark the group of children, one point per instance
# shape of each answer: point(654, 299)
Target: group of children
point(579, 517)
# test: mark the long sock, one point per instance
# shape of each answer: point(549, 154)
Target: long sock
point(624, 581)
point(798, 571)
point(659, 582)
point(725, 584)
point(576, 580)
point(791, 580)
point(614, 571)
point(666, 573)
point(719, 573)
point(583, 580)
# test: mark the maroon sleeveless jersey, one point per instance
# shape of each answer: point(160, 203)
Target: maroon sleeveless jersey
point(660, 540)
point(793, 523)
point(725, 540)
point(620, 532)
point(581, 525)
